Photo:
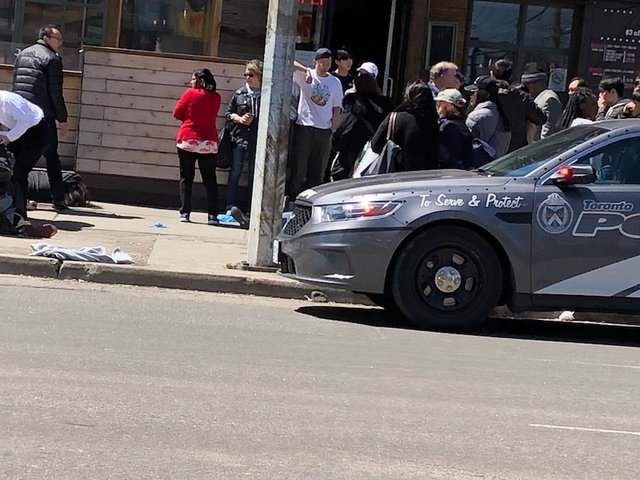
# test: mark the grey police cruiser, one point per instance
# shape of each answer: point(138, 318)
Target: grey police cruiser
point(552, 226)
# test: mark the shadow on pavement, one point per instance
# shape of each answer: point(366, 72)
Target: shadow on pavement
point(371, 316)
point(70, 226)
point(91, 213)
point(545, 330)
point(557, 331)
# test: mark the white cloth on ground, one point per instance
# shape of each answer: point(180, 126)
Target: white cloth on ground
point(84, 254)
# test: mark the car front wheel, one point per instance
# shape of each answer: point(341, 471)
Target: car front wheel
point(447, 278)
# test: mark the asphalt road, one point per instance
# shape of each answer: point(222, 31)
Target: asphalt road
point(117, 382)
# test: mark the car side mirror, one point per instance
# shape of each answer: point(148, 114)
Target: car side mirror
point(574, 175)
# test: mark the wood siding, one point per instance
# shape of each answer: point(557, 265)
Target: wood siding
point(126, 122)
point(67, 144)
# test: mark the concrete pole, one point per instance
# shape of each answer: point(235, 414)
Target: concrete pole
point(273, 131)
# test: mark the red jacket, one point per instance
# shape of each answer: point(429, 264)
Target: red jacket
point(197, 109)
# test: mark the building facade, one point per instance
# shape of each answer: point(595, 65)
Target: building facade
point(403, 37)
point(131, 59)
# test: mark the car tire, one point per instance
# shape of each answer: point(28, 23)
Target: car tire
point(447, 278)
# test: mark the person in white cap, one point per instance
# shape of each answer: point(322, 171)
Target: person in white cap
point(455, 137)
point(362, 112)
point(367, 68)
point(370, 68)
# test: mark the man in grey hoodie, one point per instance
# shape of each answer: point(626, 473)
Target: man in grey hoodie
point(535, 79)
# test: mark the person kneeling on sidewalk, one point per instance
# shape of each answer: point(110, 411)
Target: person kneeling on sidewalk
point(11, 222)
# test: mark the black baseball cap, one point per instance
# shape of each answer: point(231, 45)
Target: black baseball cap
point(483, 82)
point(322, 53)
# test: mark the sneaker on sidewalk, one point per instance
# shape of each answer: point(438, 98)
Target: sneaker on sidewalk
point(32, 205)
point(184, 217)
point(239, 217)
point(213, 220)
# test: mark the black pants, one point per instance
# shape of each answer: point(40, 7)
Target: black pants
point(207, 166)
point(54, 167)
point(27, 150)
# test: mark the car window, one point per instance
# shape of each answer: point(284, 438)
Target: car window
point(617, 163)
point(527, 159)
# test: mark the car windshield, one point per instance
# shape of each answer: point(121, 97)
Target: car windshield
point(527, 159)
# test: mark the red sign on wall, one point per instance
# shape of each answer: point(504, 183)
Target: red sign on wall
point(316, 3)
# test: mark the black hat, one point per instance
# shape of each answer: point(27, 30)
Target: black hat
point(483, 82)
point(322, 53)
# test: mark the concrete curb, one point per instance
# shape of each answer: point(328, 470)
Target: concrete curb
point(148, 277)
point(30, 266)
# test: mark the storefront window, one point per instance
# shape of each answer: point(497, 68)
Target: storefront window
point(494, 22)
point(172, 26)
point(82, 22)
point(523, 33)
point(548, 27)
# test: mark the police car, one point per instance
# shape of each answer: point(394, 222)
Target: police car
point(552, 226)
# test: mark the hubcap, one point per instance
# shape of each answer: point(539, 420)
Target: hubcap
point(448, 279)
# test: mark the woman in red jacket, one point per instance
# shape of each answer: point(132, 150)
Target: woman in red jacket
point(197, 139)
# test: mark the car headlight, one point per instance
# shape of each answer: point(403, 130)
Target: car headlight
point(357, 211)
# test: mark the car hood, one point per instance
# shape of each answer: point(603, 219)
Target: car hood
point(399, 183)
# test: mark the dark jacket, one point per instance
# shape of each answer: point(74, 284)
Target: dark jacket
point(417, 136)
point(37, 76)
point(243, 136)
point(455, 143)
point(519, 108)
point(360, 118)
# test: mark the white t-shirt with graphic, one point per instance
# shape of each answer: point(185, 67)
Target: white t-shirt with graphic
point(317, 99)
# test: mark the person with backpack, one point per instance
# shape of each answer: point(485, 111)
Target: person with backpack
point(362, 113)
point(487, 120)
point(413, 126)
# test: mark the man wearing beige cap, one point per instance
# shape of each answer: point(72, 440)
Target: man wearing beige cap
point(454, 149)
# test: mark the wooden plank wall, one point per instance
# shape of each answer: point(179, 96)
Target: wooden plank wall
point(126, 121)
point(67, 144)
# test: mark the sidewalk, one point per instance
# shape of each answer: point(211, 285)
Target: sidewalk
point(190, 256)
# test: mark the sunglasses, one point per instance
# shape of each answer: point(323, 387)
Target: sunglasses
point(249, 75)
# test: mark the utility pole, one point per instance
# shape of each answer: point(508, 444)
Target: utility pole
point(273, 131)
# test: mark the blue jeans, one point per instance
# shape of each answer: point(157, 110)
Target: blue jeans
point(239, 156)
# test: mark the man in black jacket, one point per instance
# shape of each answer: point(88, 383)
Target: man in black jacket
point(38, 77)
point(518, 106)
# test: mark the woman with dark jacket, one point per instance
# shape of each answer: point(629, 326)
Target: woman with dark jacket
point(242, 115)
point(455, 137)
point(416, 130)
point(362, 113)
point(197, 140)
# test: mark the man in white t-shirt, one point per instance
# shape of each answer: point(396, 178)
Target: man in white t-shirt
point(318, 114)
point(24, 132)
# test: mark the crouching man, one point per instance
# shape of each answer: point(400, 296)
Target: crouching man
point(26, 136)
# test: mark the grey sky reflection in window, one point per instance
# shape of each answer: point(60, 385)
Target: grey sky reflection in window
point(548, 27)
point(494, 22)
